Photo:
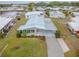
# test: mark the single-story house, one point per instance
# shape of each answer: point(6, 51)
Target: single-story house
point(74, 27)
point(40, 9)
point(37, 26)
point(57, 14)
point(76, 14)
point(10, 14)
point(76, 9)
point(54, 8)
point(6, 24)
point(34, 13)
point(75, 19)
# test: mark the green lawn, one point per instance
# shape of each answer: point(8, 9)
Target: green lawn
point(66, 35)
point(26, 47)
point(23, 46)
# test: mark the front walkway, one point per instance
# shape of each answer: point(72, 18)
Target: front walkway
point(54, 49)
point(63, 45)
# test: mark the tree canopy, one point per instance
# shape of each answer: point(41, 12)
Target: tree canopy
point(57, 3)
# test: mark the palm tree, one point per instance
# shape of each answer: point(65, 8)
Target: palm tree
point(31, 6)
point(47, 13)
point(68, 14)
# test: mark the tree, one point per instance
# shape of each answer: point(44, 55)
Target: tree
point(55, 3)
point(65, 4)
point(31, 6)
point(18, 33)
point(47, 12)
point(68, 14)
point(57, 34)
point(41, 4)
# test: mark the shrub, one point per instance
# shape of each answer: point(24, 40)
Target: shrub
point(18, 34)
point(18, 19)
point(57, 34)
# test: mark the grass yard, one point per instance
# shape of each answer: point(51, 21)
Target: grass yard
point(26, 47)
point(21, 47)
point(66, 35)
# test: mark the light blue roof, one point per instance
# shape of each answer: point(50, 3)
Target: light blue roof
point(38, 22)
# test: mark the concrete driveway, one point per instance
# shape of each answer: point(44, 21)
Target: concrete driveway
point(54, 49)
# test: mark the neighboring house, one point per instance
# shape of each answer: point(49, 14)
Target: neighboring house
point(38, 26)
point(49, 8)
point(76, 14)
point(56, 8)
point(75, 19)
point(76, 9)
point(57, 14)
point(34, 13)
point(14, 15)
point(74, 25)
point(6, 24)
point(40, 9)
point(11, 14)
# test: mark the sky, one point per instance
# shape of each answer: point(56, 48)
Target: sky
point(18, 2)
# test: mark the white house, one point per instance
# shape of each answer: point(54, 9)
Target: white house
point(74, 25)
point(38, 26)
point(6, 24)
point(76, 14)
point(55, 8)
point(57, 14)
point(75, 19)
point(10, 14)
point(34, 13)
point(40, 9)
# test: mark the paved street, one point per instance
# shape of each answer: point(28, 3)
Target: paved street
point(54, 49)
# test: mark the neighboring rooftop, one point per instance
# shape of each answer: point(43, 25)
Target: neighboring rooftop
point(10, 14)
point(74, 25)
point(4, 21)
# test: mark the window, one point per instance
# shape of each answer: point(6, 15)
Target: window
point(31, 30)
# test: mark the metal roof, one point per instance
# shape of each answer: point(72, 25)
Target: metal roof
point(10, 14)
point(57, 14)
point(4, 21)
point(75, 19)
point(74, 25)
point(38, 22)
point(49, 25)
